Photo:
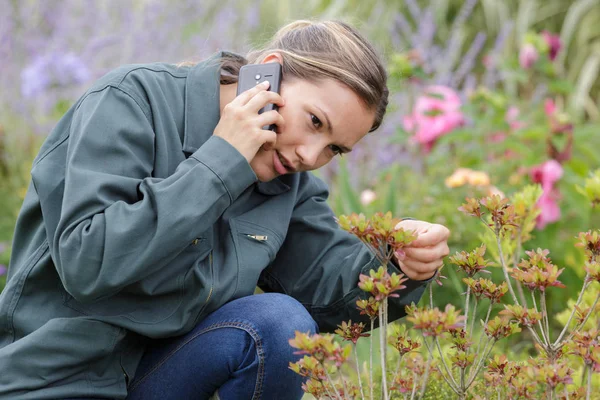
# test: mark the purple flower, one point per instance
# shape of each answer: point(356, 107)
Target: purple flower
point(53, 69)
point(2, 269)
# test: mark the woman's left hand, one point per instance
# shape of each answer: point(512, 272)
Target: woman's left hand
point(424, 256)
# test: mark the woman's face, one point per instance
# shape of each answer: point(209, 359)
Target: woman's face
point(322, 120)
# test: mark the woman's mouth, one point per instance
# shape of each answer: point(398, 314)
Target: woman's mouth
point(278, 163)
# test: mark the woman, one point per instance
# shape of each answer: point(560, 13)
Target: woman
point(158, 204)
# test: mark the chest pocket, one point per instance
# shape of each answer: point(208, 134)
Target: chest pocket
point(256, 247)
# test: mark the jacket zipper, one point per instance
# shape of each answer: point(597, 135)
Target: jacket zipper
point(260, 238)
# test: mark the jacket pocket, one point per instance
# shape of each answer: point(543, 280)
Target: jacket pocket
point(256, 247)
point(14, 287)
point(154, 298)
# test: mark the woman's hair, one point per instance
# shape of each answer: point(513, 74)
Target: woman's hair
point(320, 50)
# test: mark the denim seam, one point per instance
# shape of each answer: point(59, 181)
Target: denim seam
point(239, 325)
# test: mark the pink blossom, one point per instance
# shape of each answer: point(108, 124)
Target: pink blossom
point(436, 113)
point(549, 107)
point(550, 211)
point(528, 55)
point(511, 117)
point(547, 174)
point(553, 42)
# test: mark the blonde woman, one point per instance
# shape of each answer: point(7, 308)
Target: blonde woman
point(158, 204)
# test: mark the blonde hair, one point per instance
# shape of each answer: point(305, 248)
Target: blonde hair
point(319, 50)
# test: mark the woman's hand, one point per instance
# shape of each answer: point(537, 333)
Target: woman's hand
point(241, 125)
point(424, 256)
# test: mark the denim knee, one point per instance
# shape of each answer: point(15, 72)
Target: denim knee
point(279, 316)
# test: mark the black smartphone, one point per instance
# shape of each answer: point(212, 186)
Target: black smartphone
point(252, 74)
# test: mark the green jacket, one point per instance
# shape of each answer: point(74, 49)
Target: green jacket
point(139, 222)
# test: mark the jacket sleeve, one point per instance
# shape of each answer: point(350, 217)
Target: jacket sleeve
point(118, 224)
point(319, 264)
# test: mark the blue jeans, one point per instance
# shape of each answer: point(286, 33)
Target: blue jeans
point(241, 350)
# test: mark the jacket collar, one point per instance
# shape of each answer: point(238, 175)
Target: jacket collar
point(202, 96)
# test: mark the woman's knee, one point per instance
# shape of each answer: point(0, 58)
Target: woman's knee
point(279, 312)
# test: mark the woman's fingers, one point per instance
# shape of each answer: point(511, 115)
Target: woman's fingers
point(261, 99)
point(269, 118)
point(245, 96)
point(427, 254)
point(419, 271)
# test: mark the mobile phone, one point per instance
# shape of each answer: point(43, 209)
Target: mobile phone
point(252, 74)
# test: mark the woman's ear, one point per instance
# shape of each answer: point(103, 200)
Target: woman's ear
point(273, 57)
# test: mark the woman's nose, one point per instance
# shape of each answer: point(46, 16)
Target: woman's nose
point(308, 154)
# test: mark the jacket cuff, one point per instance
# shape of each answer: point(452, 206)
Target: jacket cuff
point(227, 163)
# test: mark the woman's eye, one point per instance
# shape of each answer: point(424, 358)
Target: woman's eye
point(316, 121)
point(336, 149)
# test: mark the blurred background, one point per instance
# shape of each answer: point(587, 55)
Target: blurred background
point(486, 97)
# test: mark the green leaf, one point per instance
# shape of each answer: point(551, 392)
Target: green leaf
point(349, 196)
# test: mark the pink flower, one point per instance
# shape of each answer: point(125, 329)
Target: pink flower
point(547, 174)
point(528, 55)
point(549, 107)
point(511, 117)
point(553, 42)
point(436, 113)
point(550, 211)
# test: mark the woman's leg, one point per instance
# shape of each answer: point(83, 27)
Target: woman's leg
point(241, 349)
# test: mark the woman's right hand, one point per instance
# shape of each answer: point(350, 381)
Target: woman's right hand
point(241, 125)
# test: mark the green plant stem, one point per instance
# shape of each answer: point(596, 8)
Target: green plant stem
point(430, 295)
point(371, 358)
point(586, 283)
point(586, 318)
point(396, 372)
point(545, 315)
point(452, 386)
point(414, 389)
point(426, 378)
point(467, 308)
point(385, 318)
point(337, 395)
point(588, 391)
point(474, 316)
point(487, 318)
point(437, 343)
point(382, 339)
point(330, 381)
point(541, 325)
point(344, 386)
point(358, 372)
point(484, 356)
point(516, 257)
point(505, 269)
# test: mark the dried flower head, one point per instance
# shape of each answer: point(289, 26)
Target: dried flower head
point(368, 307)
point(351, 332)
point(401, 341)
